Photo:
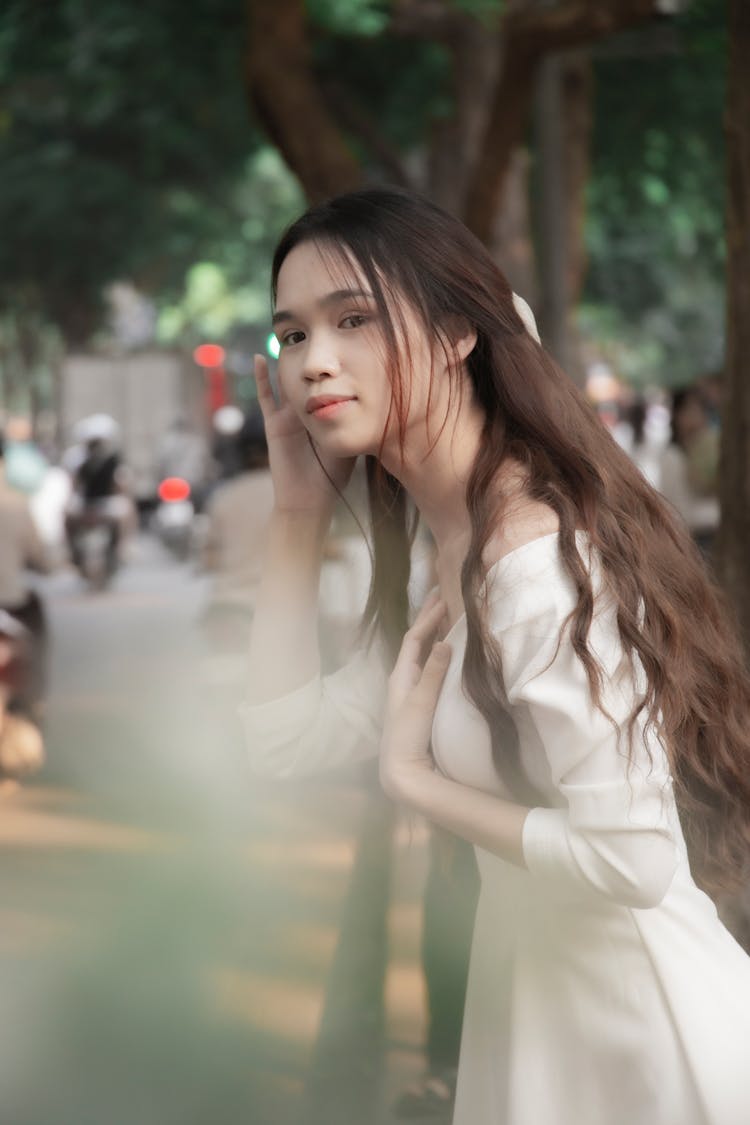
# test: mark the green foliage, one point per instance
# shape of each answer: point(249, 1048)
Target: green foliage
point(655, 222)
point(400, 85)
point(231, 286)
point(349, 17)
point(112, 118)
point(488, 11)
point(127, 151)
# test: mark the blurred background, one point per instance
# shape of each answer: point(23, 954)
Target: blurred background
point(179, 940)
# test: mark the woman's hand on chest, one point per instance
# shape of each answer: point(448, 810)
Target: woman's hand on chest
point(413, 691)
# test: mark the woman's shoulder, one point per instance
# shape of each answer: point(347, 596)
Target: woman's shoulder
point(529, 581)
point(522, 525)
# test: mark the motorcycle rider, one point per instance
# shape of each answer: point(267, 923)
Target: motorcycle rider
point(97, 490)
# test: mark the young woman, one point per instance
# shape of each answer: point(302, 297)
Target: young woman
point(570, 687)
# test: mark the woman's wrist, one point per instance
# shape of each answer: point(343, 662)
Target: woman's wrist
point(410, 786)
point(301, 521)
point(300, 530)
point(488, 821)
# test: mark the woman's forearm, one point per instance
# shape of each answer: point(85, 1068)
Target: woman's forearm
point(490, 822)
point(284, 652)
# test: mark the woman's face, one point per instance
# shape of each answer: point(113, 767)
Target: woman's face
point(332, 363)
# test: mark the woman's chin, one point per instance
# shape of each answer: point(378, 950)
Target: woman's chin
point(344, 446)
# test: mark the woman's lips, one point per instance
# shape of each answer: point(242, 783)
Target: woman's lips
point(327, 408)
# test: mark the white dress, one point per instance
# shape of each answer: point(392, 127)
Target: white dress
point(603, 989)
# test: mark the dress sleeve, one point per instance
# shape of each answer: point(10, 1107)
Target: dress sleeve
point(612, 833)
point(331, 721)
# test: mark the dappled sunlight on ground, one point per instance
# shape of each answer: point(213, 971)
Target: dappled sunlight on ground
point(44, 819)
point(328, 855)
point(275, 1004)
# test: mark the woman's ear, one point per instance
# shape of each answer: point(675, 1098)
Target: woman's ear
point(460, 339)
point(466, 342)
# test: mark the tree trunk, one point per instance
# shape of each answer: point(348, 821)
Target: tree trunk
point(552, 209)
point(512, 245)
point(529, 35)
point(564, 121)
point(285, 97)
point(578, 123)
point(505, 131)
point(455, 143)
point(734, 540)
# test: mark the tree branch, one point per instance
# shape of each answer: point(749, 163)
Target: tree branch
point(576, 23)
point(283, 92)
point(358, 122)
point(427, 19)
point(529, 33)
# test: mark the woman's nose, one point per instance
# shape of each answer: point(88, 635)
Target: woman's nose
point(321, 361)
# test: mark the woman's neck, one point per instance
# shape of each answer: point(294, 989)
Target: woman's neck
point(435, 469)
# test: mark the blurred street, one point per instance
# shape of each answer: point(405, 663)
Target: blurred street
point(168, 923)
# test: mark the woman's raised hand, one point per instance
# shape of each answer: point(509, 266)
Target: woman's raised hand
point(300, 482)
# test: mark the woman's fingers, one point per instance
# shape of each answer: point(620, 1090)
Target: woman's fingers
point(417, 641)
point(429, 616)
point(266, 397)
point(427, 690)
point(417, 686)
point(431, 600)
point(422, 632)
point(426, 625)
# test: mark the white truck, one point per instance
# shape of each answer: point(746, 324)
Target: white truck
point(146, 392)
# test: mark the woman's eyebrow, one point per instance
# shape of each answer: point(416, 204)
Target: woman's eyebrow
point(332, 298)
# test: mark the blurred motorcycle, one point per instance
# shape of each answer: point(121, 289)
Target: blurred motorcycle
point(94, 545)
point(21, 743)
point(174, 517)
point(99, 510)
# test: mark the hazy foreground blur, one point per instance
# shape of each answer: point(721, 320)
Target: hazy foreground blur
point(168, 922)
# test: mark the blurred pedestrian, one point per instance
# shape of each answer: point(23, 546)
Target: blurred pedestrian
point(21, 551)
point(689, 466)
point(25, 464)
point(21, 744)
point(238, 513)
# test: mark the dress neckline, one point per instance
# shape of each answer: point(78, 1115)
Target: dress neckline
point(498, 563)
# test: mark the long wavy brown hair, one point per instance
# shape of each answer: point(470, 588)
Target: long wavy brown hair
point(670, 613)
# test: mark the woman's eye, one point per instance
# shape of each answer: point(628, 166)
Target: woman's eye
point(291, 338)
point(354, 320)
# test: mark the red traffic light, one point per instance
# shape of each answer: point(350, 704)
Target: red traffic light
point(173, 489)
point(209, 355)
